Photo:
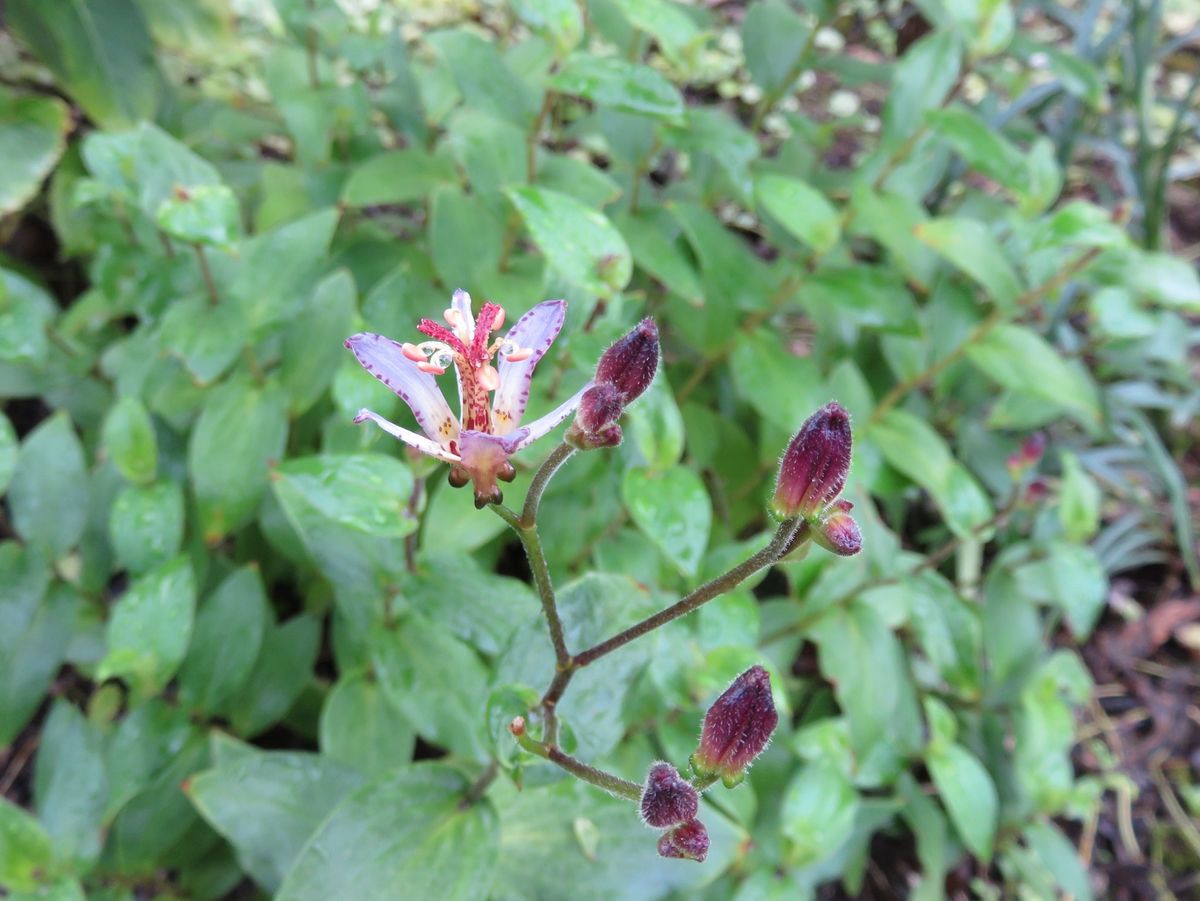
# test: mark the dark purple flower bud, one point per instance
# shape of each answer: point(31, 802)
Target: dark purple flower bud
point(629, 365)
point(736, 728)
point(813, 470)
point(600, 405)
point(1032, 448)
point(668, 799)
point(838, 533)
point(689, 841)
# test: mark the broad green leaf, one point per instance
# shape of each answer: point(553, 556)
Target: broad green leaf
point(147, 164)
point(577, 241)
point(367, 493)
point(1071, 577)
point(818, 812)
point(206, 338)
point(775, 40)
point(666, 22)
point(70, 786)
point(867, 296)
point(205, 215)
point(25, 849)
point(242, 428)
point(949, 632)
point(225, 642)
point(406, 829)
point(279, 267)
point(436, 681)
point(865, 663)
point(1021, 360)
point(8, 452)
point(799, 208)
point(968, 793)
point(921, 80)
point(398, 176)
point(466, 237)
point(1078, 501)
point(362, 728)
point(283, 668)
point(783, 388)
point(145, 525)
point(26, 312)
point(559, 21)
point(673, 510)
point(654, 426)
point(970, 245)
point(661, 256)
point(1060, 856)
point(48, 496)
point(99, 50)
point(33, 132)
point(309, 357)
point(911, 445)
point(267, 805)
point(581, 180)
point(150, 627)
point(981, 145)
point(617, 84)
point(1166, 279)
point(484, 77)
point(129, 440)
point(592, 608)
point(543, 848)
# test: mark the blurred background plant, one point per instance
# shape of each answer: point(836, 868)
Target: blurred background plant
point(246, 646)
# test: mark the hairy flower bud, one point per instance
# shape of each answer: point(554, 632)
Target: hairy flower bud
point(688, 841)
point(837, 531)
point(668, 799)
point(600, 405)
point(813, 470)
point(736, 728)
point(629, 365)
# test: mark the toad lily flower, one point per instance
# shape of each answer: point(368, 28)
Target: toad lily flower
point(478, 446)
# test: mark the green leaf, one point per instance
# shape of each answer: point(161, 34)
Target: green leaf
point(1060, 856)
point(617, 84)
point(578, 178)
point(920, 81)
point(8, 452)
point(783, 388)
point(33, 135)
point(673, 29)
point(436, 681)
point(267, 805)
point(25, 849)
point(654, 426)
point(577, 241)
point(206, 338)
point(149, 628)
point(225, 642)
point(49, 490)
point(775, 40)
point(818, 812)
point(283, 668)
point(866, 665)
point(1071, 577)
point(1021, 360)
point(70, 788)
point(558, 21)
point(207, 215)
point(309, 357)
point(911, 445)
point(98, 50)
point(801, 209)
point(981, 145)
point(661, 257)
point(968, 793)
point(146, 164)
point(398, 176)
point(26, 312)
point(673, 510)
point(483, 76)
point(240, 430)
point(367, 493)
point(361, 727)
point(466, 237)
point(145, 525)
point(405, 829)
point(1078, 501)
point(970, 245)
point(129, 441)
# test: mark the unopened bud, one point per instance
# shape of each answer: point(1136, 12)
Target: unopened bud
point(629, 365)
point(688, 841)
point(595, 424)
point(517, 726)
point(737, 728)
point(838, 533)
point(668, 799)
point(813, 470)
point(1030, 454)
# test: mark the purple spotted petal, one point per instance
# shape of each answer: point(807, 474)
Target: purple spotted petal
point(536, 330)
point(420, 442)
point(383, 358)
point(541, 426)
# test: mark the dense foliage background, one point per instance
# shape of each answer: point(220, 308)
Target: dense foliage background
point(230, 619)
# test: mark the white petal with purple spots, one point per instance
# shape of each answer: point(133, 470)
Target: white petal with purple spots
point(536, 330)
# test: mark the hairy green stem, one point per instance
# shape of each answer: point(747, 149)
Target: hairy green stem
point(615, 785)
